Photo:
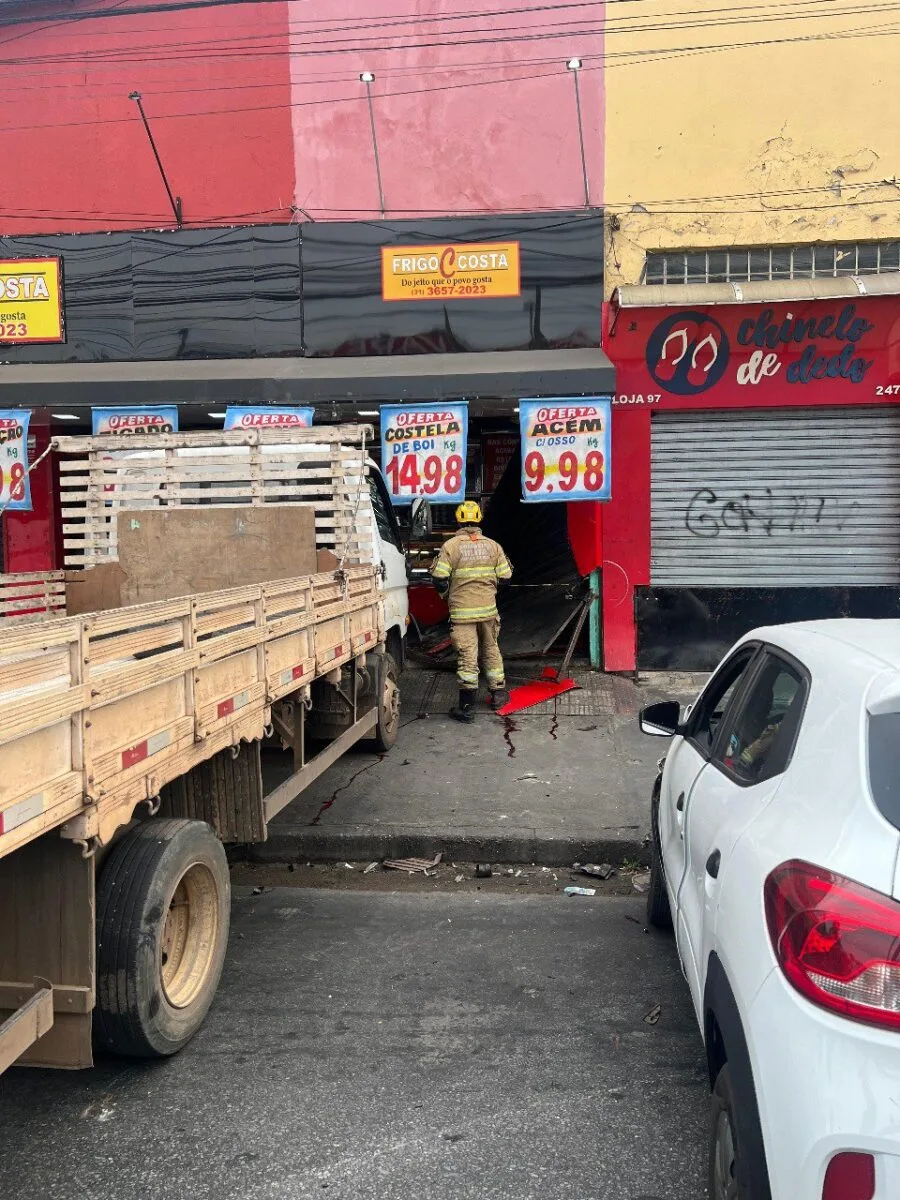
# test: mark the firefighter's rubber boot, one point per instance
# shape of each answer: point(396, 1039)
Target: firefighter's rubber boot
point(499, 697)
point(464, 710)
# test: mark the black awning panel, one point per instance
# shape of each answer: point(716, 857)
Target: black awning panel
point(377, 379)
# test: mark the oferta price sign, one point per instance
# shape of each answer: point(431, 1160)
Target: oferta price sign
point(566, 448)
point(248, 417)
point(31, 300)
point(423, 451)
point(134, 420)
point(15, 482)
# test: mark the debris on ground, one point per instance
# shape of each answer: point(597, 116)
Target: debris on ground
point(653, 1015)
point(641, 883)
point(483, 870)
point(601, 871)
point(412, 865)
point(580, 891)
point(502, 878)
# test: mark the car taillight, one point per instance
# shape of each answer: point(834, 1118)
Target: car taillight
point(850, 1177)
point(836, 941)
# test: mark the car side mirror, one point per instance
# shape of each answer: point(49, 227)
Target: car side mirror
point(660, 720)
point(419, 518)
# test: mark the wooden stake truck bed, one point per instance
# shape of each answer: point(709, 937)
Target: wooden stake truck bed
point(115, 920)
point(118, 704)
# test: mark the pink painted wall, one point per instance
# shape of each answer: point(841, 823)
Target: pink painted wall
point(465, 122)
point(216, 87)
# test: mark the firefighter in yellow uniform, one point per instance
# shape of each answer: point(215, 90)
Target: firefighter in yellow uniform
point(467, 572)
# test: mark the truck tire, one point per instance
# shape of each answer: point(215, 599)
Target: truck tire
point(163, 911)
point(387, 691)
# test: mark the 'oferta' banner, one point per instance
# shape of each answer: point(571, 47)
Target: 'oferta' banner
point(565, 448)
point(136, 420)
point(15, 483)
point(265, 417)
point(423, 451)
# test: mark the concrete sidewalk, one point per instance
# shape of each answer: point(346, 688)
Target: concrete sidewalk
point(567, 780)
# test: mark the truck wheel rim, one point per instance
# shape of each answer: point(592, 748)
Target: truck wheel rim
point(390, 703)
point(725, 1183)
point(189, 935)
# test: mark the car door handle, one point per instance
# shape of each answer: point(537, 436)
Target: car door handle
point(713, 863)
point(679, 803)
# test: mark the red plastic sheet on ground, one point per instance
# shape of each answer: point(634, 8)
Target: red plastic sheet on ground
point(537, 691)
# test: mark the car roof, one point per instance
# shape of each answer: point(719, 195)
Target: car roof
point(879, 640)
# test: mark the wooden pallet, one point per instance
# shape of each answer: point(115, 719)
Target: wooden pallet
point(32, 596)
point(322, 469)
point(120, 703)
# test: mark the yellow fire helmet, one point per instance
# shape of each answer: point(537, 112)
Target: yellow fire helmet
point(469, 513)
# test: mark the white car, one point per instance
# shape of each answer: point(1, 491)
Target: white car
point(776, 856)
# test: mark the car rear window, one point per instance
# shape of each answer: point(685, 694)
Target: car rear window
point(884, 764)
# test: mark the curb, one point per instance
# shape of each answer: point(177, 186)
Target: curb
point(322, 845)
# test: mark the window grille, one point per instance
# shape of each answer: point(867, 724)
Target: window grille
point(777, 262)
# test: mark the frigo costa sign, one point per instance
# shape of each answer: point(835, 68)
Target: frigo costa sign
point(465, 271)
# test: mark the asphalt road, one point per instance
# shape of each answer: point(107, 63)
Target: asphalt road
point(371, 1046)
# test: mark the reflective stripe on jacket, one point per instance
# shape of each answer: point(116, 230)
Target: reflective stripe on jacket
point(474, 565)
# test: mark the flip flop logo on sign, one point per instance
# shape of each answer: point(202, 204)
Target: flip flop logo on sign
point(687, 353)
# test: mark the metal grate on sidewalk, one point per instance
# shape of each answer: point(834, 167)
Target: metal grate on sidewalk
point(426, 692)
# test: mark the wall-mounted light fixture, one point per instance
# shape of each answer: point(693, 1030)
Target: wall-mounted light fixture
point(575, 65)
point(368, 78)
point(175, 201)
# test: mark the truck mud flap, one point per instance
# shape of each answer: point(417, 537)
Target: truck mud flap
point(226, 792)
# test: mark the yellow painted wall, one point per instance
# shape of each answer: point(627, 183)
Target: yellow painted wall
point(748, 122)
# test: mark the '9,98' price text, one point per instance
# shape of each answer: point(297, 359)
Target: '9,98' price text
point(564, 469)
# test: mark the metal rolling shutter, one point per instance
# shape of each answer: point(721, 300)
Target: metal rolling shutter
point(785, 497)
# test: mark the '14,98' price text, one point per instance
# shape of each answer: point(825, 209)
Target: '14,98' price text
point(436, 474)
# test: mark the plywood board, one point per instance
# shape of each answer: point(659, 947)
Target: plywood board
point(171, 552)
point(96, 589)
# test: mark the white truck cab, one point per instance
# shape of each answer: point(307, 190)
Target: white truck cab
point(388, 544)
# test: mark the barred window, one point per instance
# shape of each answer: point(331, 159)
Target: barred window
point(778, 262)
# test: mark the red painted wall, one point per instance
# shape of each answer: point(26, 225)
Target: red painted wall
point(464, 122)
point(216, 88)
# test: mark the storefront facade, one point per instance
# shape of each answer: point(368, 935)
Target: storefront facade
point(756, 458)
point(315, 315)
